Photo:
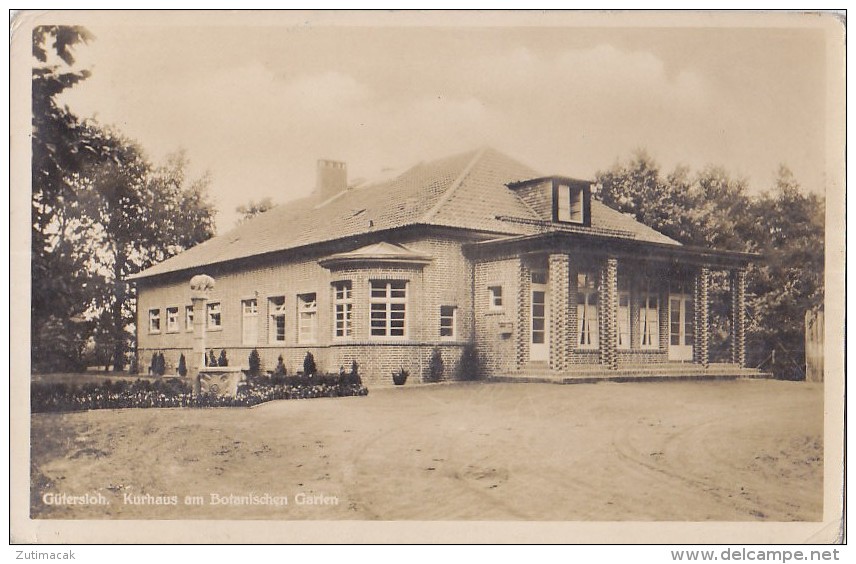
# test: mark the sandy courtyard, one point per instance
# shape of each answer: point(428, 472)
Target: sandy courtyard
point(682, 451)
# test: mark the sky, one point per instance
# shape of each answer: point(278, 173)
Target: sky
point(257, 104)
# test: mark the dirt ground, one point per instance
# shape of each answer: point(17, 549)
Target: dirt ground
point(682, 451)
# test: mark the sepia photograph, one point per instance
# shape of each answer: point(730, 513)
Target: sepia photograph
point(427, 276)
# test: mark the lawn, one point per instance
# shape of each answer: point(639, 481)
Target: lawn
point(678, 451)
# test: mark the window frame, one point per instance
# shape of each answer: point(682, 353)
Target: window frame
point(154, 318)
point(453, 326)
point(175, 327)
point(212, 308)
point(645, 323)
point(275, 312)
point(570, 204)
point(307, 307)
point(390, 302)
point(188, 318)
point(253, 316)
point(624, 321)
point(495, 292)
point(343, 302)
point(585, 318)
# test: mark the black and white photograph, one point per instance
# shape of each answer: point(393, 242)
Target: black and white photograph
point(312, 276)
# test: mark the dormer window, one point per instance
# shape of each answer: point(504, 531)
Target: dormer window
point(570, 203)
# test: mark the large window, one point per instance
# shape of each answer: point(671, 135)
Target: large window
point(388, 308)
point(188, 318)
point(250, 321)
point(276, 310)
point(587, 329)
point(623, 320)
point(307, 318)
point(154, 321)
point(649, 320)
point(215, 320)
point(172, 320)
point(343, 306)
point(448, 322)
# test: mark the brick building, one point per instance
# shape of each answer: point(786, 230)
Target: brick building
point(471, 249)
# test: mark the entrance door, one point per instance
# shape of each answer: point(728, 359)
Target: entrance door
point(539, 348)
point(681, 329)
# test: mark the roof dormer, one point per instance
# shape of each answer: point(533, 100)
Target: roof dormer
point(557, 198)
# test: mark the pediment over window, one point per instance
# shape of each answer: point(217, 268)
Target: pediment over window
point(557, 198)
point(378, 253)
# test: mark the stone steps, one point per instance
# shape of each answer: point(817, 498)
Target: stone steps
point(644, 373)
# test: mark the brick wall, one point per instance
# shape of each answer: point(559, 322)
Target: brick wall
point(447, 280)
point(497, 330)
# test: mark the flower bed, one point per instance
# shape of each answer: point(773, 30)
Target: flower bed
point(176, 392)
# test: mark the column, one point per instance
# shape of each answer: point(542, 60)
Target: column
point(608, 318)
point(200, 290)
point(701, 291)
point(523, 306)
point(558, 279)
point(738, 316)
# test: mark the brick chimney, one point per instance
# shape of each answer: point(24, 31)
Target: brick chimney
point(332, 178)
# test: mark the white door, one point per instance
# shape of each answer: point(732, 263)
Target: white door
point(539, 348)
point(681, 329)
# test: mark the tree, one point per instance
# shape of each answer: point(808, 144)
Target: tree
point(61, 282)
point(182, 366)
point(309, 368)
point(255, 363)
point(253, 208)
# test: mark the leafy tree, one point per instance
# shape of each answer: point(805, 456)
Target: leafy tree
point(253, 208)
point(61, 283)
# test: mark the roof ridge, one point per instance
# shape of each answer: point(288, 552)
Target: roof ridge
point(453, 187)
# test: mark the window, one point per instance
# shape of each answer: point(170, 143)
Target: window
point(250, 321)
point(388, 308)
point(188, 318)
point(307, 318)
point(172, 320)
point(276, 310)
point(569, 202)
point(495, 293)
point(587, 329)
point(343, 306)
point(448, 322)
point(649, 320)
point(214, 319)
point(624, 320)
point(154, 321)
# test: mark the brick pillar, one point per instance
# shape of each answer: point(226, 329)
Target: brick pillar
point(200, 288)
point(558, 278)
point(701, 292)
point(523, 306)
point(738, 312)
point(608, 318)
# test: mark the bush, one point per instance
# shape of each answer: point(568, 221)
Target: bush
point(223, 360)
point(309, 367)
point(161, 364)
point(435, 365)
point(212, 359)
point(153, 367)
point(134, 368)
point(354, 375)
point(182, 366)
point(400, 377)
point(255, 363)
point(469, 367)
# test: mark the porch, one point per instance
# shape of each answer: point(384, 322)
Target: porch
point(661, 372)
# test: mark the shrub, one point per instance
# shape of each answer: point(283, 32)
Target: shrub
point(435, 365)
point(469, 367)
point(134, 368)
point(161, 364)
point(400, 377)
point(255, 363)
point(153, 367)
point(223, 360)
point(212, 360)
point(279, 372)
point(353, 378)
point(182, 366)
point(309, 367)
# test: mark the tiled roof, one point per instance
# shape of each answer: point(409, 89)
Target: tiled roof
point(465, 191)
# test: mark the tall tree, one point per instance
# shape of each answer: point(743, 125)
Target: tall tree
point(61, 283)
point(140, 216)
